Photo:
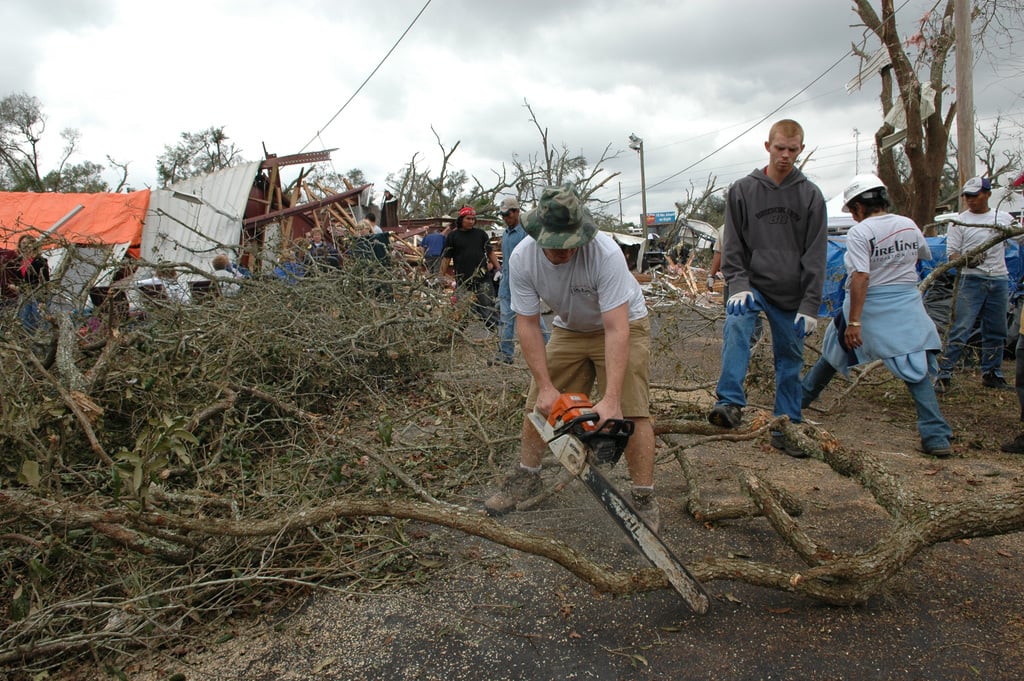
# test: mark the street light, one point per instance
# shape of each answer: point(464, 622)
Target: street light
point(637, 144)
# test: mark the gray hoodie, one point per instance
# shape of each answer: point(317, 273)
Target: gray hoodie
point(775, 240)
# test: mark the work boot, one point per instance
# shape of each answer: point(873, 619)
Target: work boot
point(995, 381)
point(646, 506)
point(941, 386)
point(1014, 446)
point(939, 451)
point(780, 441)
point(518, 486)
point(726, 416)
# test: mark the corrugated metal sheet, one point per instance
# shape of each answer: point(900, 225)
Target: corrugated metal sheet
point(197, 218)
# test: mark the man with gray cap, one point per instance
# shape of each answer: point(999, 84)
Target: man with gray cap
point(984, 286)
point(510, 238)
point(601, 337)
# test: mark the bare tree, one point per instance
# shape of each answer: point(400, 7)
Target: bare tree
point(912, 96)
point(424, 193)
point(555, 165)
point(698, 201)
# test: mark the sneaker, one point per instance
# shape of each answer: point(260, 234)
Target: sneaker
point(518, 486)
point(781, 442)
point(646, 506)
point(498, 360)
point(940, 452)
point(726, 416)
point(941, 385)
point(995, 381)
point(1014, 446)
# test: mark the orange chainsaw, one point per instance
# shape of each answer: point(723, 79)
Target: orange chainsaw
point(574, 413)
point(577, 438)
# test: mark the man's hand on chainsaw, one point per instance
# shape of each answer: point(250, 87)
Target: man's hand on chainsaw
point(608, 409)
point(546, 399)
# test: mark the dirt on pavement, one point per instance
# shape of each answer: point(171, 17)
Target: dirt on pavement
point(956, 611)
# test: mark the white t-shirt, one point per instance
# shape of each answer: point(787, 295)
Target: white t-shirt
point(224, 280)
point(887, 248)
point(596, 280)
point(961, 239)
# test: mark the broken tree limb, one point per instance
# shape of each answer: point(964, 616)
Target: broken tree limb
point(769, 503)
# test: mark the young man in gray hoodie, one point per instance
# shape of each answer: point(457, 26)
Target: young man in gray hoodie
point(773, 260)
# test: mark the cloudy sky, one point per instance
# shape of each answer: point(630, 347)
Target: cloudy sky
point(688, 77)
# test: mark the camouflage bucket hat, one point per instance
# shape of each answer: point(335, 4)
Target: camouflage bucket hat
point(560, 220)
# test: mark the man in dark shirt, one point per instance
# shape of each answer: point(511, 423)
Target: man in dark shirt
point(773, 258)
point(468, 252)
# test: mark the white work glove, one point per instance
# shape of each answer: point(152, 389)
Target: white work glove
point(739, 303)
point(497, 275)
point(805, 324)
point(711, 283)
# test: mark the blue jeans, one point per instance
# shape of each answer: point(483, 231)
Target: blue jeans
point(934, 430)
point(983, 297)
point(31, 318)
point(787, 347)
point(1019, 382)
point(507, 333)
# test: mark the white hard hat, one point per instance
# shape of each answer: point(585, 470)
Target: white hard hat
point(862, 184)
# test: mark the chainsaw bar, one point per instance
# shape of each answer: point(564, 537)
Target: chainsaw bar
point(576, 457)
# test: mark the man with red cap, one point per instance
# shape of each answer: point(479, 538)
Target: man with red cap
point(468, 252)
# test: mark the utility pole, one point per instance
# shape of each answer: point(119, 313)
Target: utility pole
point(856, 151)
point(637, 144)
point(620, 205)
point(964, 92)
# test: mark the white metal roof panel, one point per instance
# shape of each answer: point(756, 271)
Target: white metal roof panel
point(193, 220)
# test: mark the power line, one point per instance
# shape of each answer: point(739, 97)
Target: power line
point(766, 116)
point(755, 124)
point(363, 84)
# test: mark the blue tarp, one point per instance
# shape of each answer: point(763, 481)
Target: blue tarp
point(835, 274)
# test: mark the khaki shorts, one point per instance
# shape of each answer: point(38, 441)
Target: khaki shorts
point(576, 362)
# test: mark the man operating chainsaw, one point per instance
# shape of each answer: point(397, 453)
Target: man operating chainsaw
point(601, 338)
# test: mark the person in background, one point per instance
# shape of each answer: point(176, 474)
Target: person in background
point(320, 255)
point(389, 212)
point(371, 217)
point(715, 273)
point(773, 258)
point(226, 276)
point(433, 246)
point(468, 255)
point(29, 271)
point(984, 286)
point(510, 238)
point(166, 281)
point(601, 340)
point(883, 316)
point(370, 246)
point(1016, 445)
point(288, 268)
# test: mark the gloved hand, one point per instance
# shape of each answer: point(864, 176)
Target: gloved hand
point(739, 303)
point(805, 324)
point(497, 275)
point(711, 283)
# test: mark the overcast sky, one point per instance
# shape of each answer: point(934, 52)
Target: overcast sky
point(685, 76)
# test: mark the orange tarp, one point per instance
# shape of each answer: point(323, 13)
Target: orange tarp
point(104, 218)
